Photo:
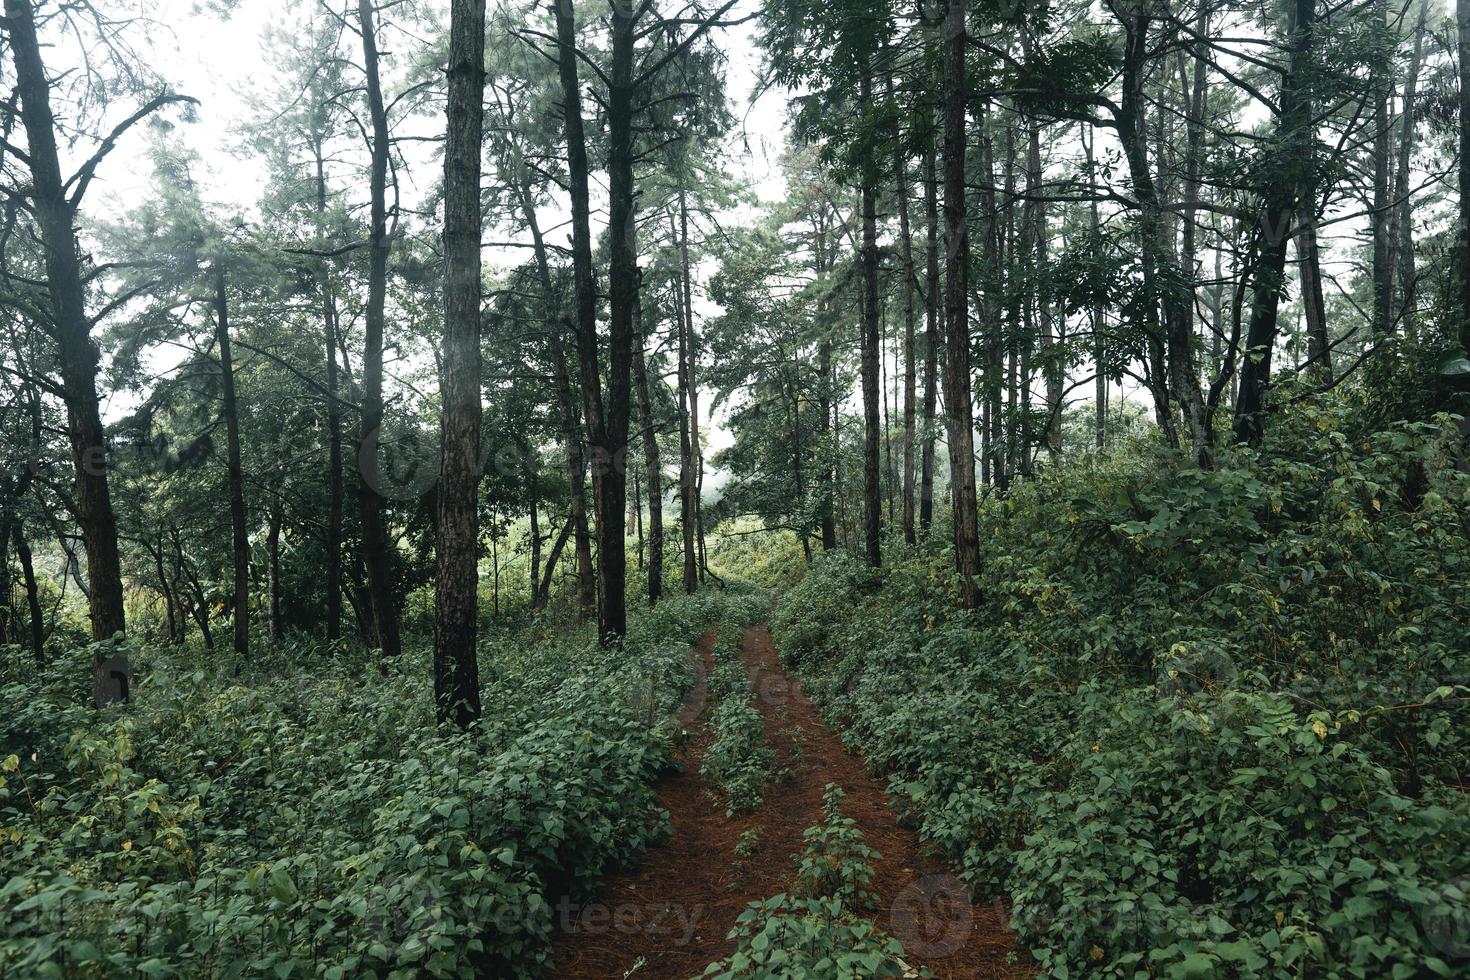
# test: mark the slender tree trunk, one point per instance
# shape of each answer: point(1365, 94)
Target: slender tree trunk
point(1099, 347)
point(987, 301)
point(688, 491)
point(333, 543)
point(7, 589)
point(1401, 234)
point(910, 409)
point(956, 312)
point(1172, 366)
point(544, 591)
point(199, 607)
point(1462, 23)
point(623, 291)
point(535, 536)
point(890, 473)
point(652, 464)
point(165, 589)
point(495, 561)
point(375, 548)
point(1309, 262)
point(1015, 336)
point(33, 594)
point(872, 494)
point(456, 614)
point(1281, 206)
point(599, 420)
point(567, 414)
point(1381, 217)
point(931, 333)
point(635, 510)
point(696, 445)
point(235, 474)
point(828, 519)
point(1037, 230)
point(273, 572)
point(78, 355)
point(827, 432)
point(797, 443)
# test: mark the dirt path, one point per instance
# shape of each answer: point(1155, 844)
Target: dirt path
point(669, 916)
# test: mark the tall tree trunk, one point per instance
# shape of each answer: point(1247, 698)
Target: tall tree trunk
point(1037, 231)
point(1168, 318)
point(1401, 233)
point(688, 490)
point(652, 466)
point(910, 409)
point(872, 495)
point(567, 415)
point(987, 301)
point(333, 543)
point(375, 548)
point(273, 570)
point(827, 517)
point(1309, 262)
point(79, 356)
point(635, 505)
point(1281, 206)
point(931, 333)
point(235, 474)
point(696, 444)
point(7, 607)
point(623, 288)
point(827, 431)
point(494, 560)
point(1014, 335)
point(33, 594)
point(1381, 218)
point(956, 312)
point(534, 535)
point(456, 612)
point(890, 472)
point(1462, 23)
point(797, 443)
point(1099, 348)
point(585, 296)
point(1132, 132)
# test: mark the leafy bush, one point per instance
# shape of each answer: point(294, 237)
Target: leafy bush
point(737, 760)
point(785, 937)
point(835, 863)
point(817, 930)
point(1204, 723)
point(307, 818)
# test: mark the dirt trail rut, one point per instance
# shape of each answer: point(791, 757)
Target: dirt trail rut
point(669, 916)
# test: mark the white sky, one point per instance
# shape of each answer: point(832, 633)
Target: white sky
point(222, 60)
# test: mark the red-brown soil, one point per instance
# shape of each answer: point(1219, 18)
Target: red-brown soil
point(672, 912)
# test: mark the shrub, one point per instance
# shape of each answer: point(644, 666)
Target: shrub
point(737, 760)
point(299, 820)
point(1204, 722)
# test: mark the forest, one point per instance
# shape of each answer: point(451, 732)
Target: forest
point(734, 488)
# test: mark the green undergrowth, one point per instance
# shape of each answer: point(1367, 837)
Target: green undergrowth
point(306, 817)
point(819, 928)
point(1203, 724)
point(737, 762)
